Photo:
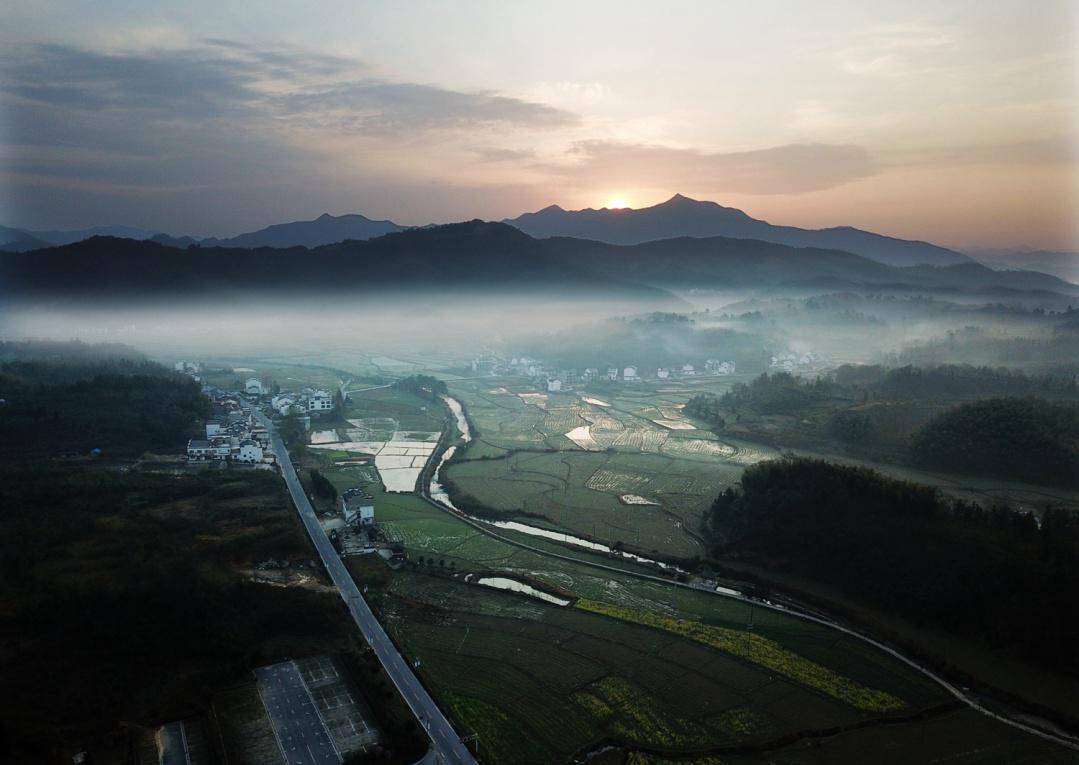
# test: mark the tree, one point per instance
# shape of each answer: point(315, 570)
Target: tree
point(322, 486)
point(291, 429)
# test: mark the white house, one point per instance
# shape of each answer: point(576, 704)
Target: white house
point(663, 373)
point(612, 373)
point(319, 401)
point(553, 385)
point(688, 370)
point(629, 373)
point(222, 448)
point(249, 452)
point(359, 509)
point(199, 450)
point(253, 386)
point(213, 428)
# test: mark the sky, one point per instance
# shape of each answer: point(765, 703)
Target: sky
point(954, 122)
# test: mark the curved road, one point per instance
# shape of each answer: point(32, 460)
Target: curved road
point(446, 746)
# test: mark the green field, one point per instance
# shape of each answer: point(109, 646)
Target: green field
point(653, 668)
point(522, 462)
point(539, 683)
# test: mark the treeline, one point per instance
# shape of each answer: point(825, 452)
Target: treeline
point(423, 386)
point(66, 351)
point(950, 381)
point(778, 393)
point(1027, 439)
point(1056, 352)
point(990, 575)
point(122, 406)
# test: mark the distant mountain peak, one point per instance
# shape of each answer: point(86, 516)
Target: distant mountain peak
point(682, 216)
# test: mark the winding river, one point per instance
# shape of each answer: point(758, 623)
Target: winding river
point(438, 494)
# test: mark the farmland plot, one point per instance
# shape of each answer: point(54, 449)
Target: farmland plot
point(622, 676)
point(698, 447)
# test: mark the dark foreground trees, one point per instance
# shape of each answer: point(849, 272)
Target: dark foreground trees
point(1028, 439)
point(992, 575)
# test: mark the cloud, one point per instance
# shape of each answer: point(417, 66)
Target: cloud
point(495, 154)
point(220, 116)
point(894, 51)
point(376, 106)
point(791, 169)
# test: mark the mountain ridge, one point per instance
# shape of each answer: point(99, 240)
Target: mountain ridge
point(683, 216)
point(474, 254)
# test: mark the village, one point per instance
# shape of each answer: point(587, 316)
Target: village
point(236, 436)
point(557, 380)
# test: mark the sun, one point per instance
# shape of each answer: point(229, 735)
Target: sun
point(618, 203)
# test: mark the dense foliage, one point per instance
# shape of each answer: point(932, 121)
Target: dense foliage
point(120, 405)
point(322, 486)
point(951, 381)
point(1027, 439)
point(423, 386)
point(121, 589)
point(778, 393)
point(992, 575)
point(707, 407)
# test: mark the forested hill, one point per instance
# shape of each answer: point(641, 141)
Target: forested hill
point(1027, 439)
point(990, 575)
point(93, 400)
point(472, 255)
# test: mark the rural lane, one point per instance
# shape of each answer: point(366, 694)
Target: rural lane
point(446, 746)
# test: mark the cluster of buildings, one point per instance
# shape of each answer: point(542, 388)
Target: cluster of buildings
point(791, 361)
point(232, 436)
point(191, 368)
point(307, 402)
point(567, 379)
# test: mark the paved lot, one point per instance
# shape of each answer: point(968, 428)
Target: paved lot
point(173, 744)
point(296, 721)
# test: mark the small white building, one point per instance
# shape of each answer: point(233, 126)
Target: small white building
point(662, 373)
point(359, 510)
point(553, 385)
point(253, 386)
point(198, 449)
point(319, 401)
point(688, 370)
point(630, 373)
point(213, 428)
point(612, 373)
point(249, 452)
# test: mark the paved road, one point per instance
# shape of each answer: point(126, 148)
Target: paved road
point(446, 746)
